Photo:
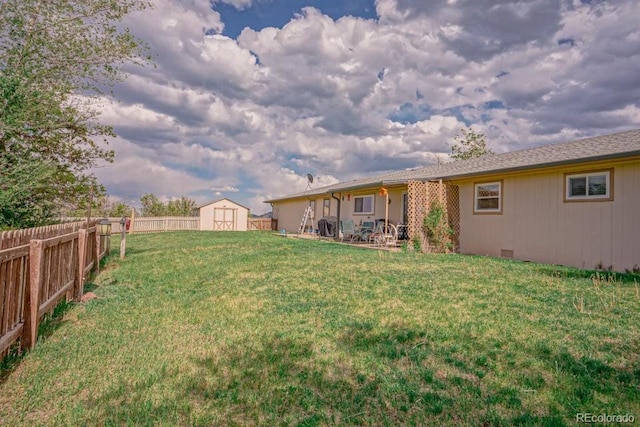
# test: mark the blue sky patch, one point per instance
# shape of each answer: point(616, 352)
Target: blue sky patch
point(277, 13)
point(567, 41)
point(494, 105)
point(409, 113)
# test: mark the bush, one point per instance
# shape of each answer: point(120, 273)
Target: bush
point(437, 228)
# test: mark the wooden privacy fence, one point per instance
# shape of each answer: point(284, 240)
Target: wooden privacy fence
point(165, 223)
point(262, 224)
point(39, 267)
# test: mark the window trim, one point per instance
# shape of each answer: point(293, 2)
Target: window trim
point(581, 199)
point(498, 211)
point(373, 204)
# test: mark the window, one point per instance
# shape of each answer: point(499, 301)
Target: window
point(326, 207)
point(363, 204)
point(312, 205)
point(405, 208)
point(588, 186)
point(488, 197)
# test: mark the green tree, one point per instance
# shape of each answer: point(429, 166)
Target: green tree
point(152, 206)
point(119, 209)
point(56, 58)
point(25, 192)
point(469, 144)
point(100, 207)
point(183, 206)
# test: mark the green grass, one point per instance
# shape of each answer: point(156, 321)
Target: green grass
point(251, 329)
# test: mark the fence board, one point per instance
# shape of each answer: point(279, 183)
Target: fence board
point(39, 267)
point(5, 294)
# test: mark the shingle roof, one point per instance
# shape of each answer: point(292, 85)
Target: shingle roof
point(623, 144)
point(219, 200)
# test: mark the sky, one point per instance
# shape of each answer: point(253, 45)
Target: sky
point(247, 97)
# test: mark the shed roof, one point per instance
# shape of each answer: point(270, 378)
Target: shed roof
point(219, 200)
point(617, 145)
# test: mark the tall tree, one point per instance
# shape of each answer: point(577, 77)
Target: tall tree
point(25, 195)
point(183, 206)
point(469, 144)
point(152, 206)
point(56, 58)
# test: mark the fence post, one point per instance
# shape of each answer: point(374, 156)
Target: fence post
point(32, 299)
point(82, 258)
point(97, 250)
point(133, 220)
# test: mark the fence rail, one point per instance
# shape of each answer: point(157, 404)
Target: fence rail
point(39, 267)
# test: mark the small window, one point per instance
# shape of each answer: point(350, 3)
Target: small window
point(488, 197)
point(326, 207)
point(588, 186)
point(363, 204)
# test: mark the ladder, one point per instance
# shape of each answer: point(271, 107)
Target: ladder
point(305, 217)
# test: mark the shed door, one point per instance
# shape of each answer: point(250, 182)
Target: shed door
point(225, 219)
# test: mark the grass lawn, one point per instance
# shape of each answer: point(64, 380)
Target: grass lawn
point(199, 328)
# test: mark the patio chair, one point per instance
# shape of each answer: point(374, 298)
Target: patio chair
point(384, 235)
point(376, 236)
point(390, 237)
point(366, 228)
point(348, 230)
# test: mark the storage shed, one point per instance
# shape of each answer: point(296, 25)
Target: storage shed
point(223, 215)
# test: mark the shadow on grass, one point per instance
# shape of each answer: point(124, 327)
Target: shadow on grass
point(392, 377)
point(49, 324)
point(590, 381)
point(127, 402)
point(284, 382)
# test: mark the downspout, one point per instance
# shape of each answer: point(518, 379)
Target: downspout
point(337, 235)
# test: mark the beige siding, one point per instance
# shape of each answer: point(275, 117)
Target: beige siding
point(289, 214)
point(537, 225)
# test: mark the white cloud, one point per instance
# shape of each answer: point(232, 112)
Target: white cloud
point(253, 116)
point(226, 189)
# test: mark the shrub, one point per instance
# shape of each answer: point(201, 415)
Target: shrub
point(437, 229)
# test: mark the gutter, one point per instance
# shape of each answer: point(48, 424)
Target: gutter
point(337, 235)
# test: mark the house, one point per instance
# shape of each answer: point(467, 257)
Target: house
point(223, 214)
point(575, 203)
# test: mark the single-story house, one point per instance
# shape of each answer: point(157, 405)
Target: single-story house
point(575, 203)
point(222, 215)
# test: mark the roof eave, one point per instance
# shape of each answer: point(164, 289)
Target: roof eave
point(536, 166)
